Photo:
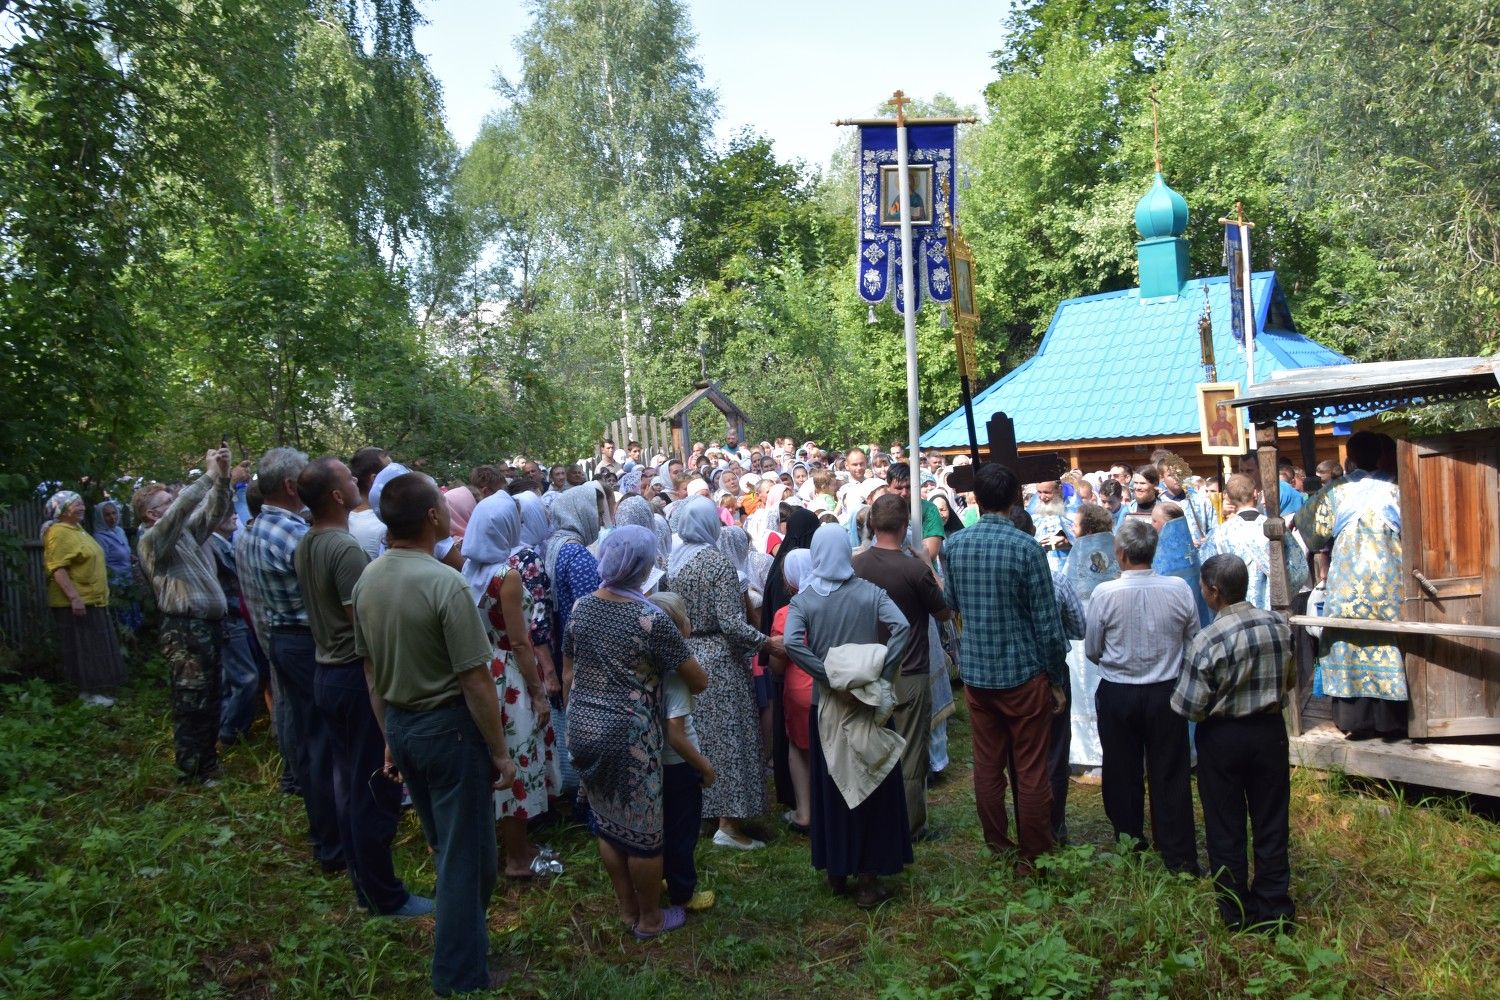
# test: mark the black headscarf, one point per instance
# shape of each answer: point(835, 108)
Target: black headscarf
point(800, 525)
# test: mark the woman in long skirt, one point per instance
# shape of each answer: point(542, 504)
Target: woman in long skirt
point(836, 608)
point(78, 593)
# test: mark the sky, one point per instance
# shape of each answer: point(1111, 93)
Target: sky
point(785, 69)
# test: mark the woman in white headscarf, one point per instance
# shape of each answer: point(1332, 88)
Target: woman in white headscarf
point(78, 594)
point(506, 604)
point(637, 511)
point(725, 716)
point(836, 608)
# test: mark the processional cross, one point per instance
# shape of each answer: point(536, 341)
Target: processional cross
point(900, 100)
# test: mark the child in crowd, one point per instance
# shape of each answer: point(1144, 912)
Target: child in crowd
point(685, 773)
point(825, 492)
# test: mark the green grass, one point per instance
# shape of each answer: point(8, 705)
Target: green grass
point(115, 882)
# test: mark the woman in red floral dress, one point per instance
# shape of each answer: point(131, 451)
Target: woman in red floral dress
point(506, 598)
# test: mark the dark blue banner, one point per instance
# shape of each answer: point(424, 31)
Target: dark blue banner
point(1234, 263)
point(930, 162)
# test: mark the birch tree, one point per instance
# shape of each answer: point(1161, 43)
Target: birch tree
point(615, 113)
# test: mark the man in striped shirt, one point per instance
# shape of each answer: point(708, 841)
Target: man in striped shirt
point(1138, 626)
point(1233, 684)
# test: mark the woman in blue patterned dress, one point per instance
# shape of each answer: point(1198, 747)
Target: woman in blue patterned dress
point(573, 572)
point(616, 651)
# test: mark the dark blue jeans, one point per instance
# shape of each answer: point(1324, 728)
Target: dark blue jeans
point(368, 804)
point(241, 686)
point(447, 769)
point(294, 657)
point(682, 812)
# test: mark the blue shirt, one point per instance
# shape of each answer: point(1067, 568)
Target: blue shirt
point(999, 580)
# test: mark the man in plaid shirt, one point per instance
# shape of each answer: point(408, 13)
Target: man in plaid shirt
point(264, 555)
point(1233, 684)
point(1013, 659)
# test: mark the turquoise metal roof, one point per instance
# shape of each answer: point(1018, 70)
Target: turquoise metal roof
point(1111, 366)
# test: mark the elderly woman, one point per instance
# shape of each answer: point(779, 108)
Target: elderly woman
point(78, 593)
point(110, 535)
point(493, 554)
point(111, 538)
point(836, 608)
point(726, 717)
point(616, 652)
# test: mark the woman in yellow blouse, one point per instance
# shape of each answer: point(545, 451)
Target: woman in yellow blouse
point(78, 593)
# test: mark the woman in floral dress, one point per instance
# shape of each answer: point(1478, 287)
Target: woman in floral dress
point(507, 603)
point(726, 717)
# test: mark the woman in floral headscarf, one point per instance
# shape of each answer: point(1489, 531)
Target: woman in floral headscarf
point(78, 593)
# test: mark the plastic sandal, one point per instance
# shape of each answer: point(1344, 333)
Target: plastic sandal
point(672, 918)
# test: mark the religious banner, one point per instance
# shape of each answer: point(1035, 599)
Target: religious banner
point(930, 169)
point(1092, 562)
point(1235, 264)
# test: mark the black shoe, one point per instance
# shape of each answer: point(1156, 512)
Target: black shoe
point(333, 867)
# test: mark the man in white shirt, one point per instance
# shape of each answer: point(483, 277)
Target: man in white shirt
point(1138, 627)
point(856, 464)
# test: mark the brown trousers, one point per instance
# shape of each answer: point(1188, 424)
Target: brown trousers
point(1014, 724)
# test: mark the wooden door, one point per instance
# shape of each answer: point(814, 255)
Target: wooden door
point(1450, 516)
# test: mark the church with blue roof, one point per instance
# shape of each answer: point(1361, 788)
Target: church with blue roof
point(1116, 374)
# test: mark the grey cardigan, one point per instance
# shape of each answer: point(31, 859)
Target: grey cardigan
point(815, 624)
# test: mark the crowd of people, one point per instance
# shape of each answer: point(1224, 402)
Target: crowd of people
point(658, 647)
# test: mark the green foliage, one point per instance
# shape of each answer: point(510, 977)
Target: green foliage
point(1034, 29)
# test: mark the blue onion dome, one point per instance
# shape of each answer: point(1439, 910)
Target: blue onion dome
point(1161, 212)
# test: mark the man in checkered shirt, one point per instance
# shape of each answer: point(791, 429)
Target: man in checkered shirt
point(1233, 684)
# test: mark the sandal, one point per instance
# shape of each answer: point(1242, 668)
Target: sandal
point(672, 918)
point(541, 867)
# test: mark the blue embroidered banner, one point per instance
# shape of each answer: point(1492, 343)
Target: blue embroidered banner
point(1234, 263)
point(930, 161)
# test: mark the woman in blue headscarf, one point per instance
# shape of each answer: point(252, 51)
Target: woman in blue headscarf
point(616, 652)
point(726, 717)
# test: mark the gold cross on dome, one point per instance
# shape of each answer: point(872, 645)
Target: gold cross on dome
point(900, 100)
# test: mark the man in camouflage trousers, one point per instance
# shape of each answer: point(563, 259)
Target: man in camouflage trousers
point(186, 586)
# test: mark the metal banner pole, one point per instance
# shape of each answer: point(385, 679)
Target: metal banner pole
point(908, 293)
point(1249, 316)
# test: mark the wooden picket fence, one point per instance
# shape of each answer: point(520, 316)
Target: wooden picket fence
point(653, 434)
point(25, 623)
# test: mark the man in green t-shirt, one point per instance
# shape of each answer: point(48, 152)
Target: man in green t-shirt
point(329, 561)
point(899, 478)
point(427, 664)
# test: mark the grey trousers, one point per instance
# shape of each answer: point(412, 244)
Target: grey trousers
point(913, 720)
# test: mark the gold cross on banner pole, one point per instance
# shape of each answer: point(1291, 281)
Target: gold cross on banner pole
point(900, 100)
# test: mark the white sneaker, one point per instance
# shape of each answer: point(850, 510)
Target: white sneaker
point(723, 839)
point(97, 700)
